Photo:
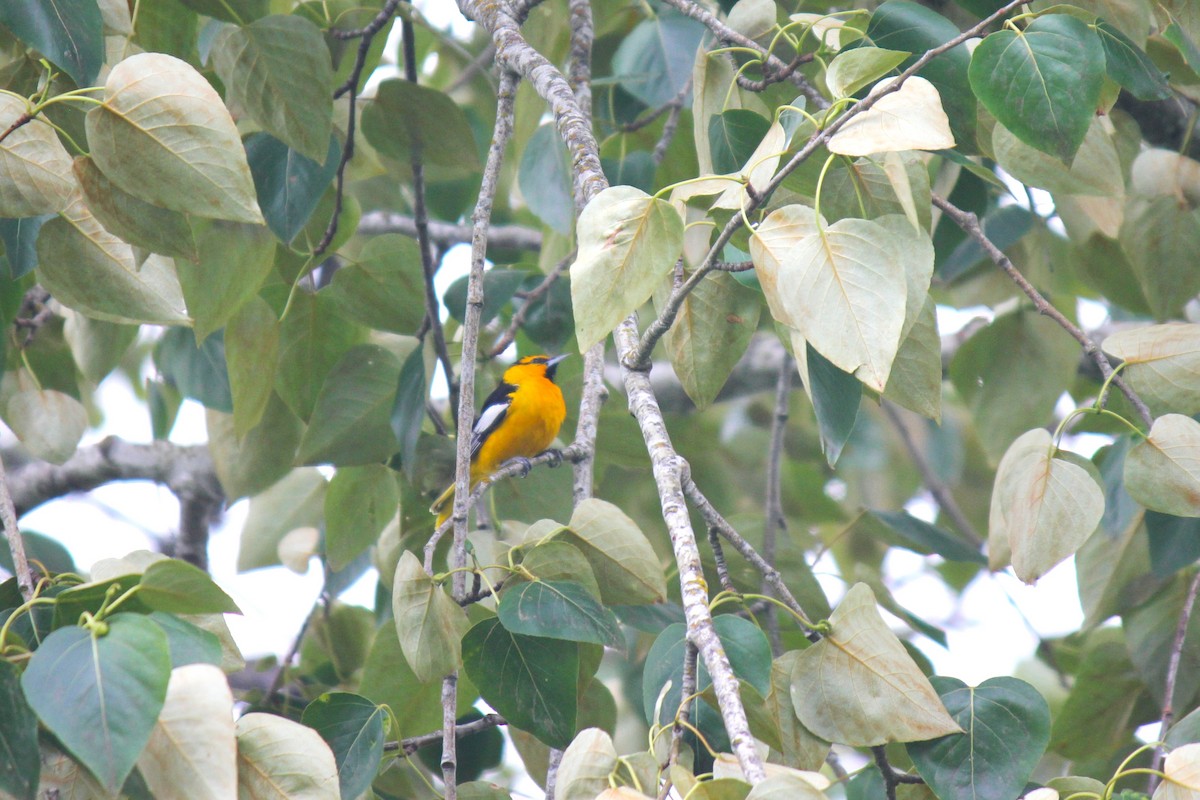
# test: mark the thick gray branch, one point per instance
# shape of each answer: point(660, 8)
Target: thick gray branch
point(445, 234)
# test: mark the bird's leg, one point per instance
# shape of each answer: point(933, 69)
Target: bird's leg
point(556, 457)
point(526, 465)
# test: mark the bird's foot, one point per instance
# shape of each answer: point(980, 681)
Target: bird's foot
point(556, 458)
point(525, 464)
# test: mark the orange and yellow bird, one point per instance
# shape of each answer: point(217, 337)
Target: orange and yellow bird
point(519, 419)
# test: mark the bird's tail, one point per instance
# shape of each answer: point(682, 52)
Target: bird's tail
point(443, 506)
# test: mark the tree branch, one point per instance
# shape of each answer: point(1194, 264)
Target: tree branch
point(970, 225)
point(16, 545)
point(687, 688)
point(774, 520)
point(447, 234)
point(1173, 661)
point(891, 777)
point(415, 743)
point(186, 471)
point(941, 493)
point(510, 333)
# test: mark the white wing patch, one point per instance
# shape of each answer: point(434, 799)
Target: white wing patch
point(488, 417)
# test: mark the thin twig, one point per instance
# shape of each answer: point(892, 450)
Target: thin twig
point(891, 777)
point(414, 743)
point(727, 34)
point(970, 225)
point(16, 545)
point(1176, 656)
point(774, 521)
point(668, 134)
point(277, 681)
point(771, 575)
point(421, 222)
point(777, 76)
point(531, 297)
point(714, 542)
point(675, 102)
point(687, 688)
point(23, 119)
point(502, 131)
point(476, 66)
point(941, 493)
point(350, 87)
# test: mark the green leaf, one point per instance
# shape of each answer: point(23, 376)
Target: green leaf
point(1098, 715)
point(1043, 505)
point(1162, 472)
point(277, 757)
point(835, 396)
point(1010, 374)
point(559, 561)
point(288, 183)
point(531, 681)
point(297, 501)
point(164, 135)
point(910, 118)
point(1150, 631)
point(799, 749)
point(249, 464)
point(359, 503)
point(544, 176)
point(312, 337)
point(278, 69)
point(93, 272)
point(100, 695)
point(1174, 542)
point(1042, 83)
point(187, 643)
point(903, 529)
point(49, 423)
point(499, 285)
point(1007, 728)
point(733, 136)
point(1129, 65)
point(350, 423)
point(749, 655)
point(711, 332)
point(35, 169)
point(559, 610)
point(49, 553)
point(385, 287)
point(859, 686)
point(625, 565)
point(198, 371)
point(1176, 35)
point(235, 259)
point(916, 379)
point(19, 237)
point(67, 32)
point(771, 242)
point(387, 678)
point(137, 222)
point(178, 587)
point(429, 623)
point(1162, 364)
point(405, 117)
point(1005, 226)
point(20, 763)
point(353, 727)
point(408, 409)
point(251, 343)
point(1160, 237)
point(654, 62)
point(851, 70)
point(193, 744)
point(1095, 171)
point(246, 10)
point(906, 26)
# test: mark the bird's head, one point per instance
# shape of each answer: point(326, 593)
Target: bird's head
point(533, 366)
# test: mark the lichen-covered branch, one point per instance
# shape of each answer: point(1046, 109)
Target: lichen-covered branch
point(16, 546)
point(668, 475)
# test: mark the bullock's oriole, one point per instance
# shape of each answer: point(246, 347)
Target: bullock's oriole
point(519, 419)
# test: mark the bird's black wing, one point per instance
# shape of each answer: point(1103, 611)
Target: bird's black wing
point(495, 408)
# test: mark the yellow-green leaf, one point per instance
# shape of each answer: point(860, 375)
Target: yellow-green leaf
point(163, 134)
point(1162, 364)
point(278, 758)
point(628, 241)
point(859, 686)
point(35, 169)
point(910, 118)
point(1162, 472)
